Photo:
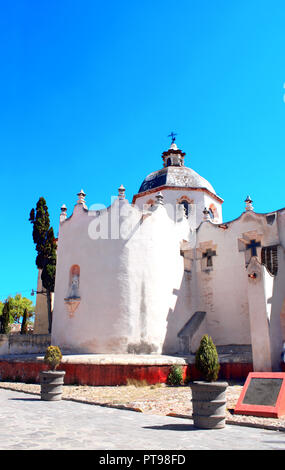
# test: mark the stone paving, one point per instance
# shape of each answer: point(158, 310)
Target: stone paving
point(28, 423)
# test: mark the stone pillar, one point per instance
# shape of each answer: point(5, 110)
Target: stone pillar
point(260, 285)
point(41, 313)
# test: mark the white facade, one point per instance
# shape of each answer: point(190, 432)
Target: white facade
point(147, 277)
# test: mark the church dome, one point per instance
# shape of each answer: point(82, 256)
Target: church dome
point(175, 174)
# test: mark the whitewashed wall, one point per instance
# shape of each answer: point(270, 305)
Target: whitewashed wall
point(126, 285)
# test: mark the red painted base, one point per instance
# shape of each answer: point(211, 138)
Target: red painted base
point(111, 374)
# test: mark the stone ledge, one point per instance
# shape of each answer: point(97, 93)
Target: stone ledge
point(102, 359)
point(128, 359)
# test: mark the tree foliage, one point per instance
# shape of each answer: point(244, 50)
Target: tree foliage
point(17, 307)
point(207, 360)
point(45, 242)
point(5, 318)
point(41, 224)
point(24, 326)
point(44, 239)
point(48, 272)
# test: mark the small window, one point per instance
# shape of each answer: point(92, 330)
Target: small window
point(187, 207)
point(211, 213)
point(269, 259)
point(169, 162)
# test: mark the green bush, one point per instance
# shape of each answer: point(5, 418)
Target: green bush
point(53, 357)
point(207, 359)
point(175, 376)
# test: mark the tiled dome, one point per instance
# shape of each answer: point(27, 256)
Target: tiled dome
point(175, 174)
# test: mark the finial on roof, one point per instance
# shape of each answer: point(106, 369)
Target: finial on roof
point(248, 204)
point(63, 213)
point(173, 146)
point(121, 192)
point(81, 197)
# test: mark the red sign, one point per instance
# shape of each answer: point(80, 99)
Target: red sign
point(263, 394)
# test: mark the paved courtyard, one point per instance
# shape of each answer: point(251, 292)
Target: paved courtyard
point(31, 424)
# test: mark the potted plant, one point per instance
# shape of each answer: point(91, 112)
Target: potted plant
point(52, 380)
point(208, 395)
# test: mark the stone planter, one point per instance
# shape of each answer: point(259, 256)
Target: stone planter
point(209, 404)
point(51, 382)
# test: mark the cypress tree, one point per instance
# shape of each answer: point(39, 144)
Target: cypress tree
point(45, 242)
point(48, 273)
point(5, 318)
point(24, 327)
point(41, 224)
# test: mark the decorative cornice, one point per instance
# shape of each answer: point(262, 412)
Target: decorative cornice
point(173, 151)
point(175, 188)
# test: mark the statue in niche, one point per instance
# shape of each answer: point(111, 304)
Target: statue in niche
point(74, 283)
point(73, 299)
point(74, 288)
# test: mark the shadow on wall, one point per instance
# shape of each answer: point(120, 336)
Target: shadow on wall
point(181, 323)
point(189, 329)
point(142, 346)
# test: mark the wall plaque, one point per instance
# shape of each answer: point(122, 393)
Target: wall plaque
point(263, 394)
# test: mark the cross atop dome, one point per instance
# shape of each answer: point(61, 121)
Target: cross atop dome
point(172, 135)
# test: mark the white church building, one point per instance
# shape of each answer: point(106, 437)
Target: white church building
point(152, 275)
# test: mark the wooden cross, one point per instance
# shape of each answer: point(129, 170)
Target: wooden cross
point(252, 246)
point(209, 254)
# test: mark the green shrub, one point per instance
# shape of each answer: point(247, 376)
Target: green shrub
point(175, 376)
point(53, 357)
point(207, 359)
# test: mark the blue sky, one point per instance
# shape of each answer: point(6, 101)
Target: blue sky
point(91, 89)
